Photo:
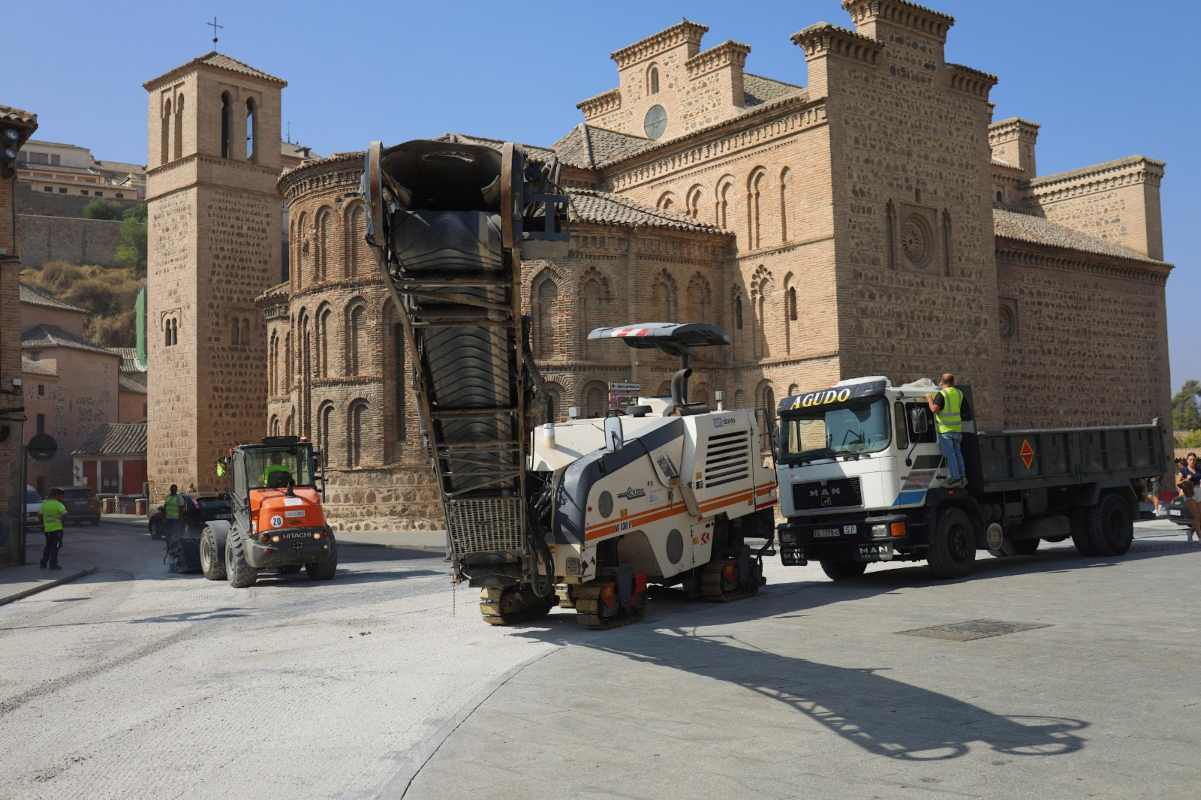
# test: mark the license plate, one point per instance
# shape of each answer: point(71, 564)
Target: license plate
point(825, 533)
point(1175, 513)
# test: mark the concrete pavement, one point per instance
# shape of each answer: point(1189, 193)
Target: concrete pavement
point(382, 683)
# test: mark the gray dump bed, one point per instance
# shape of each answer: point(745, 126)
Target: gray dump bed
point(1024, 459)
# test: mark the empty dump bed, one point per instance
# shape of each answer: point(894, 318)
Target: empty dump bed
point(1031, 458)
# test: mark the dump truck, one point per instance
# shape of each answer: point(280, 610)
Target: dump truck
point(862, 480)
point(542, 513)
point(276, 521)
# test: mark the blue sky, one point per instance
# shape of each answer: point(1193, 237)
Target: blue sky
point(1106, 78)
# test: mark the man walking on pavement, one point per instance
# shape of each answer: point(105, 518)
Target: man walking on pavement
point(172, 507)
point(948, 407)
point(53, 511)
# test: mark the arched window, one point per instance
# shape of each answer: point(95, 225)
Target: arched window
point(179, 126)
point(356, 418)
point(546, 300)
point(290, 425)
point(394, 375)
point(273, 365)
point(273, 427)
point(700, 300)
point(165, 146)
point(785, 174)
point(789, 316)
point(666, 201)
point(793, 390)
point(167, 333)
point(251, 130)
point(551, 401)
point(761, 287)
point(596, 400)
point(665, 298)
point(356, 345)
point(325, 415)
point(235, 332)
point(226, 129)
point(324, 314)
point(792, 309)
point(325, 235)
point(652, 80)
point(754, 186)
point(723, 201)
point(306, 375)
point(594, 311)
point(356, 230)
point(738, 312)
point(287, 387)
point(301, 245)
point(692, 202)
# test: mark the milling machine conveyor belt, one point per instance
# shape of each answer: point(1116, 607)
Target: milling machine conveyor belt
point(452, 267)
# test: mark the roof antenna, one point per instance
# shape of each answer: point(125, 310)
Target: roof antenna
point(289, 139)
point(215, 27)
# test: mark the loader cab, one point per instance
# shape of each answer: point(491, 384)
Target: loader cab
point(278, 481)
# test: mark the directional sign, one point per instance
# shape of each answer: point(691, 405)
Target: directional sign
point(625, 388)
point(1027, 453)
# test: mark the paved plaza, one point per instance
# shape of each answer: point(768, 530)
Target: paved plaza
point(1075, 678)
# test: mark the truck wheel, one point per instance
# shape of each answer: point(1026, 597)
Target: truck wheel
point(1111, 525)
point(953, 545)
point(324, 570)
point(212, 564)
point(1080, 533)
point(241, 574)
point(842, 569)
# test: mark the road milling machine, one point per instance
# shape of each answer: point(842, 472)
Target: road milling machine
point(580, 514)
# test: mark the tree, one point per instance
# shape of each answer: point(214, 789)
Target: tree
point(131, 240)
point(1186, 407)
point(101, 209)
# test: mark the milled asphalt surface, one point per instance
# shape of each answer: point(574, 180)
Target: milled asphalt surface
point(134, 683)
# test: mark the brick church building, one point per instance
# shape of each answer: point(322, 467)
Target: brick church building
point(873, 220)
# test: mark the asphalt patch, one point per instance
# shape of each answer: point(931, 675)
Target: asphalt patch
point(973, 629)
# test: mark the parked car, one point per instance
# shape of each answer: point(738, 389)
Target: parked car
point(33, 508)
point(83, 505)
point(1179, 513)
point(197, 510)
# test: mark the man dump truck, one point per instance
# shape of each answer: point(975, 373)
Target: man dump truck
point(276, 519)
point(862, 480)
point(580, 514)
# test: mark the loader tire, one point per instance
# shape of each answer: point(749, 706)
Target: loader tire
point(1111, 525)
point(842, 569)
point(953, 545)
point(241, 574)
point(324, 570)
point(212, 563)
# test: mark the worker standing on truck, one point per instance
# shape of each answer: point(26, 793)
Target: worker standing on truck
point(947, 404)
point(53, 512)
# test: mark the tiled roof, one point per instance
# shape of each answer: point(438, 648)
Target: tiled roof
point(1029, 228)
point(603, 208)
point(588, 146)
point(41, 336)
point(758, 89)
point(135, 383)
point(36, 297)
point(115, 439)
point(129, 359)
point(18, 116)
point(220, 61)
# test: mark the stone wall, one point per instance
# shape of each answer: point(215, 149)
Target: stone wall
point(71, 239)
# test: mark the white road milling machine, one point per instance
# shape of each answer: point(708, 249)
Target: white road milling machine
point(582, 514)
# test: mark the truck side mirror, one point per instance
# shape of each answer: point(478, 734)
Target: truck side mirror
point(918, 420)
point(613, 435)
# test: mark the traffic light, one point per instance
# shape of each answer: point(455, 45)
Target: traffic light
point(10, 142)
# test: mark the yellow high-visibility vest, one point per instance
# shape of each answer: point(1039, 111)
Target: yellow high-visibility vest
point(949, 420)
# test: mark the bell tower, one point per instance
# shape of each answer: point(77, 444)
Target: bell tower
point(213, 157)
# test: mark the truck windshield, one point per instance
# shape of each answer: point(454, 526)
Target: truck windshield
point(861, 426)
point(276, 467)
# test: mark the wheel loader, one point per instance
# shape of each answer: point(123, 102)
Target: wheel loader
point(276, 519)
point(581, 514)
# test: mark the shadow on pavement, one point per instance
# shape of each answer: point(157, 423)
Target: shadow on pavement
point(232, 612)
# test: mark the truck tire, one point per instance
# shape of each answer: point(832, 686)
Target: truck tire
point(241, 574)
point(1111, 525)
point(324, 570)
point(1080, 533)
point(842, 569)
point(952, 545)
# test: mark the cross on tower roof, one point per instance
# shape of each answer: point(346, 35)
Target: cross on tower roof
point(215, 27)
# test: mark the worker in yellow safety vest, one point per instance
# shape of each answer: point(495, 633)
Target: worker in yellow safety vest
point(949, 410)
point(276, 465)
point(53, 512)
point(172, 510)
